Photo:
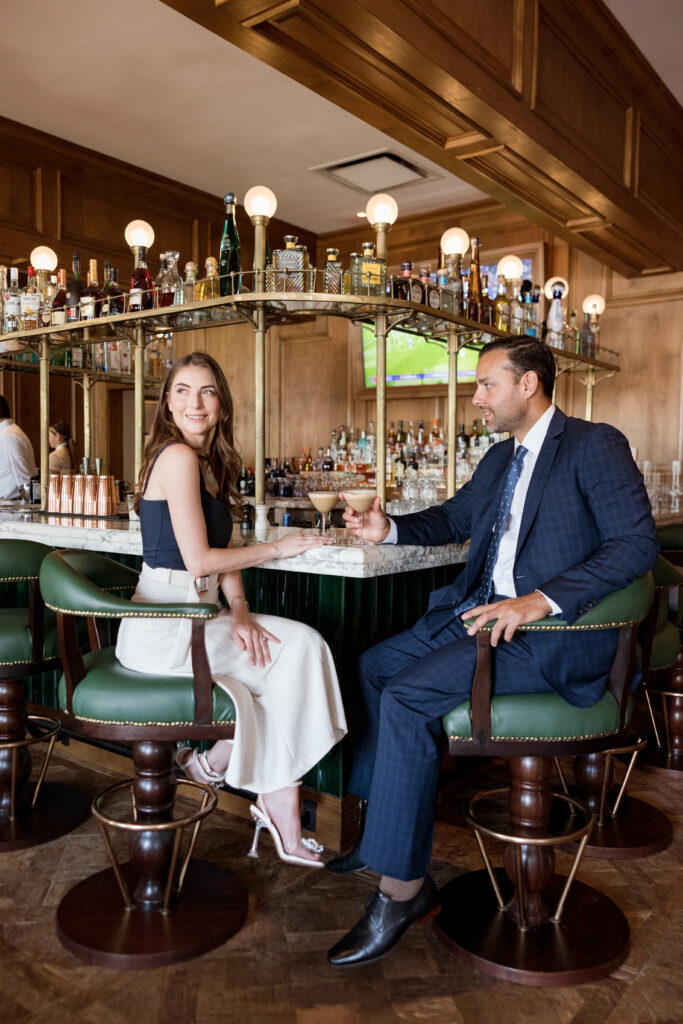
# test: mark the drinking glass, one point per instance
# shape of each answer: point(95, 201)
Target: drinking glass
point(324, 502)
point(360, 502)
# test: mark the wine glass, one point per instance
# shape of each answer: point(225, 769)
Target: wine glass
point(324, 502)
point(360, 502)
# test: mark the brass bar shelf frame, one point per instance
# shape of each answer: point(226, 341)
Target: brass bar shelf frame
point(263, 310)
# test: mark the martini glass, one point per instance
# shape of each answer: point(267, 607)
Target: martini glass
point(324, 502)
point(360, 502)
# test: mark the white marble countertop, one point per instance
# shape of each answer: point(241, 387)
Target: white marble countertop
point(120, 536)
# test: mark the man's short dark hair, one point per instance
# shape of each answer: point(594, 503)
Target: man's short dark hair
point(526, 354)
point(4, 409)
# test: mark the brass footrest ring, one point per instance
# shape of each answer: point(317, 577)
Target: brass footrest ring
point(52, 727)
point(177, 825)
point(579, 835)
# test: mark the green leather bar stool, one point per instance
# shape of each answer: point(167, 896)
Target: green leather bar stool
point(29, 813)
point(158, 908)
point(663, 667)
point(523, 923)
point(627, 828)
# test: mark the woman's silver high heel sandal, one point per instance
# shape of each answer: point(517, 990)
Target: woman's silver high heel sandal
point(263, 820)
point(201, 767)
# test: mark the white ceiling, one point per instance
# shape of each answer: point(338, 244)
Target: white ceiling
point(140, 82)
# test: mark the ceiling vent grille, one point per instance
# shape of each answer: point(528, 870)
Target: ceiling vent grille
point(374, 172)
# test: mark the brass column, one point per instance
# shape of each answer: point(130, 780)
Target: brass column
point(381, 472)
point(590, 384)
point(260, 223)
point(139, 400)
point(87, 436)
point(452, 408)
point(44, 420)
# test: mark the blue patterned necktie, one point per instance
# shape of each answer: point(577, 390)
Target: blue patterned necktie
point(483, 594)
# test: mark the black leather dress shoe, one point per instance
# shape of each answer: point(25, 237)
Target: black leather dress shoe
point(382, 925)
point(348, 863)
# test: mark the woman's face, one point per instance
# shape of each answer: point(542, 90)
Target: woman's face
point(54, 438)
point(194, 403)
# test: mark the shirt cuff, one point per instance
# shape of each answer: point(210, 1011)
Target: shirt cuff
point(554, 608)
point(392, 536)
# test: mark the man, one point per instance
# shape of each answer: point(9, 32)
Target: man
point(17, 461)
point(557, 518)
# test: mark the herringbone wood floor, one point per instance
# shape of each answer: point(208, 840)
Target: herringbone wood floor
point(275, 968)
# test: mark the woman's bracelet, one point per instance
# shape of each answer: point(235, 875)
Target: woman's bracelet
point(238, 597)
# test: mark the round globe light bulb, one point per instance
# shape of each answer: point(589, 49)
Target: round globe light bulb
point(555, 282)
point(260, 202)
point(454, 242)
point(510, 267)
point(594, 304)
point(139, 232)
point(381, 209)
point(43, 258)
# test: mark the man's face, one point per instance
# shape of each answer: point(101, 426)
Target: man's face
point(499, 395)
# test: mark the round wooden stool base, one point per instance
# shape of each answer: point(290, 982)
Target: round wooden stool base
point(656, 760)
point(59, 810)
point(637, 830)
point(591, 940)
point(93, 924)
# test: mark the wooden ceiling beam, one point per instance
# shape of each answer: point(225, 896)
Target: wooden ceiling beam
point(546, 105)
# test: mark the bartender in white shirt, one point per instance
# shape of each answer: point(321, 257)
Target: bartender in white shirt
point(17, 461)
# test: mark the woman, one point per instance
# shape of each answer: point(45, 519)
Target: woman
point(59, 438)
point(279, 674)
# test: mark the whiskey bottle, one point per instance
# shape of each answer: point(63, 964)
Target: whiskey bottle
point(373, 272)
point(112, 296)
point(208, 287)
point(401, 286)
point(11, 306)
point(487, 311)
point(170, 284)
point(141, 295)
point(351, 276)
point(474, 290)
point(431, 291)
point(73, 292)
point(29, 302)
point(332, 273)
point(229, 265)
point(91, 296)
point(286, 272)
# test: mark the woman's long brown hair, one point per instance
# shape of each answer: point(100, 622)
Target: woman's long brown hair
point(223, 457)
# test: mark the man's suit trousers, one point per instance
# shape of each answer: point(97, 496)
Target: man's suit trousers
point(407, 684)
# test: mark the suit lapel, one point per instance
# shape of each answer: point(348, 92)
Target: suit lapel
point(544, 464)
point(488, 507)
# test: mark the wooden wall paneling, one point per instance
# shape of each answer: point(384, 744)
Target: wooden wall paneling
point(555, 86)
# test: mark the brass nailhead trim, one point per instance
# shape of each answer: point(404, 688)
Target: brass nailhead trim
point(18, 579)
point(116, 721)
point(537, 739)
point(577, 629)
point(132, 615)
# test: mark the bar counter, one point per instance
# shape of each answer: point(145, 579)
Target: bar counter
point(355, 596)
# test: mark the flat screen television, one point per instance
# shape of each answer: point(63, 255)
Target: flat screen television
point(412, 360)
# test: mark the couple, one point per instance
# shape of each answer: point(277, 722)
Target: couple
point(555, 523)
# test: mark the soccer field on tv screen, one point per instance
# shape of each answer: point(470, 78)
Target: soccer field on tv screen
point(412, 360)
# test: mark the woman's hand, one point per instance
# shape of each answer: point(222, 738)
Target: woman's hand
point(252, 638)
point(375, 523)
point(297, 544)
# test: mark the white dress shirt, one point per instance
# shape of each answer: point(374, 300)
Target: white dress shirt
point(503, 570)
point(17, 461)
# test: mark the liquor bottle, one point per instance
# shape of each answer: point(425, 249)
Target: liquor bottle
point(168, 356)
point(587, 338)
point(242, 482)
point(446, 297)
point(229, 265)
point(45, 311)
point(401, 286)
point(555, 318)
point(171, 285)
point(286, 272)
point(373, 272)
point(351, 276)
point(73, 292)
point(328, 462)
point(501, 307)
point(454, 284)
point(487, 310)
point(574, 334)
point(391, 436)
point(29, 302)
point(308, 462)
point(332, 273)
point(431, 291)
point(208, 287)
point(474, 436)
point(91, 296)
point(474, 289)
point(462, 440)
point(400, 465)
point(11, 306)
point(167, 298)
point(516, 310)
point(529, 315)
point(141, 295)
point(434, 432)
point(401, 435)
point(112, 296)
